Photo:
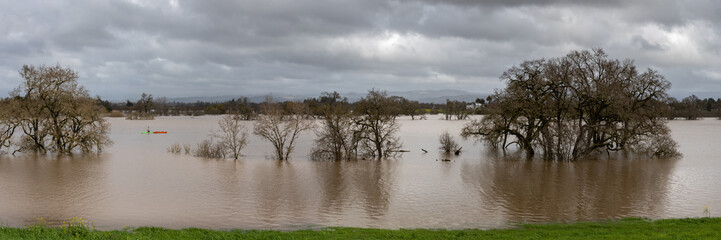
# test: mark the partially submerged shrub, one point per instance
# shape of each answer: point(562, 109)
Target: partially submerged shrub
point(448, 144)
point(175, 148)
point(210, 149)
point(186, 148)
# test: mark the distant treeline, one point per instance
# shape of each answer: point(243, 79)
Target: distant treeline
point(689, 108)
point(148, 106)
point(692, 107)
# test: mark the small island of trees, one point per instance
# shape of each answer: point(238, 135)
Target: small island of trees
point(572, 106)
point(53, 114)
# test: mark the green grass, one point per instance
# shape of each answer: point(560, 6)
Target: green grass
point(632, 228)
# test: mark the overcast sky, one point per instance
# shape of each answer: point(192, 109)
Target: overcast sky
point(208, 48)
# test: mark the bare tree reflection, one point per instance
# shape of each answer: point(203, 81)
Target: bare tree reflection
point(365, 183)
point(228, 174)
point(280, 191)
point(334, 185)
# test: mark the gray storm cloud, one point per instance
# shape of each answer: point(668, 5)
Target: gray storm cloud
point(206, 48)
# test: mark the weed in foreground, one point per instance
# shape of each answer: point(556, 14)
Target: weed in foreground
point(76, 227)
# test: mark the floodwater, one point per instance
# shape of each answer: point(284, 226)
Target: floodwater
point(136, 182)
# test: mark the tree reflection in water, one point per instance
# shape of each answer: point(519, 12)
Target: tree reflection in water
point(590, 189)
point(46, 182)
point(366, 183)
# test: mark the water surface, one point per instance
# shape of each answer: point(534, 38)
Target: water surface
point(136, 182)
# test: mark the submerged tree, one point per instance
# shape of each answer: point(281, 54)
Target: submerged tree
point(573, 106)
point(368, 130)
point(233, 135)
point(281, 125)
point(54, 113)
point(377, 125)
point(337, 138)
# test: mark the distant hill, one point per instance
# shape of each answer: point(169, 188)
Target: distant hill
point(424, 96)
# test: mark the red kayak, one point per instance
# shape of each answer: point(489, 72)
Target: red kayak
point(156, 132)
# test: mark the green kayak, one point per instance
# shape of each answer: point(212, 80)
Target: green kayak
point(146, 132)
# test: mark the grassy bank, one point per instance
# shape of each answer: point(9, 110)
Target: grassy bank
point(696, 228)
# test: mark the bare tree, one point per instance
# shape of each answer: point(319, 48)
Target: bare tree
point(337, 138)
point(448, 144)
point(233, 135)
point(377, 124)
point(229, 141)
point(281, 125)
point(31, 118)
point(56, 114)
point(7, 125)
point(86, 128)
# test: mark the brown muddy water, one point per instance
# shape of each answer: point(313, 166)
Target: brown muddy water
point(136, 182)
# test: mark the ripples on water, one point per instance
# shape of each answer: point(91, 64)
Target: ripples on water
point(137, 183)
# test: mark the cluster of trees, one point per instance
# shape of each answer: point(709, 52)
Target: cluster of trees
point(347, 131)
point(143, 108)
point(572, 106)
point(366, 129)
point(52, 113)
